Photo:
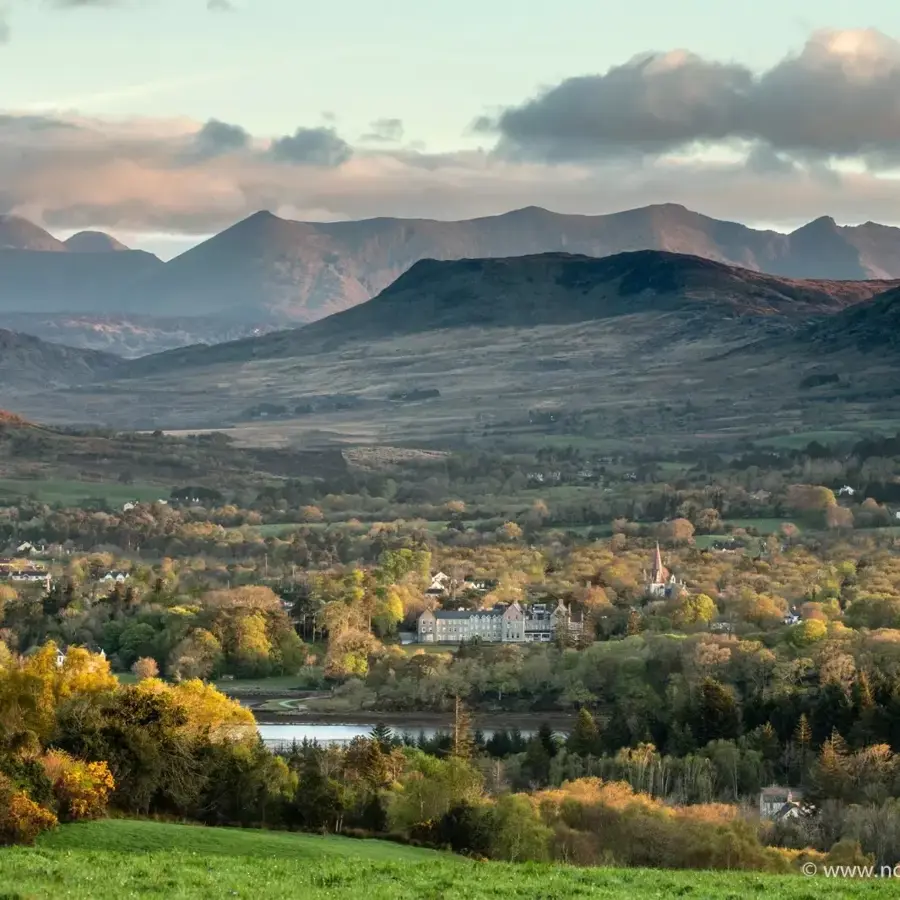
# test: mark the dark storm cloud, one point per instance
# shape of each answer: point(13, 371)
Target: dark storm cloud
point(838, 97)
point(311, 147)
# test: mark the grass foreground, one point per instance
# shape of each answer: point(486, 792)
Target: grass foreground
point(126, 858)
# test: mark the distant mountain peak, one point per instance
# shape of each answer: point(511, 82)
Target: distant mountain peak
point(822, 223)
point(94, 242)
point(17, 233)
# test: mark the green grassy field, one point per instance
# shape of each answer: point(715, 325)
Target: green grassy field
point(286, 683)
point(71, 492)
point(130, 859)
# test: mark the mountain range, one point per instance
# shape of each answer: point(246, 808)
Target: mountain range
point(266, 272)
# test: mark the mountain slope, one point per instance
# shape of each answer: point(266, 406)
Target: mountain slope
point(267, 272)
point(129, 336)
point(20, 234)
point(27, 361)
point(872, 326)
point(544, 289)
point(270, 269)
point(68, 281)
point(640, 347)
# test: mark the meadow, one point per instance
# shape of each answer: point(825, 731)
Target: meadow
point(72, 492)
point(136, 859)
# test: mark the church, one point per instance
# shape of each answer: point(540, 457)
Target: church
point(663, 584)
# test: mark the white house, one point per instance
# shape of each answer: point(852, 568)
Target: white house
point(117, 577)
point(440, 584)
point(62, 654)
point(779, 803)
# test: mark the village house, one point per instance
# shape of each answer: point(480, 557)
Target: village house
point(779, 803)
point(62, 654)
point(30, 549)
point(478, 584)
point(117, 577)
point(440, 585)
point(17, 572)
point(505, 624)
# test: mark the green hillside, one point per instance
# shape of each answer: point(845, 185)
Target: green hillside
point(125, 859)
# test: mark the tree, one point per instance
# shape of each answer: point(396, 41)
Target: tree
point(137, 640)
point(585, 737)
point(382, 735)
point(716, 716)
point(144, 668)
point(518, 833)
point(838, 517)
point(463, 745)
point(430, 788)
point(804, 634)
point(199, 655)
point(677, 531)
point(510, 532)
point(809, 498)
point(311, 514)
point(694, 609)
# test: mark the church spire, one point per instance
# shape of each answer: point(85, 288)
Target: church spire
point(657, 564)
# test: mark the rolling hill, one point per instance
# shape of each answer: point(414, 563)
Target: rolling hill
point(150, 859)
point(27, 361)
point(870, 327)
point(94, 242)
point(544, 289)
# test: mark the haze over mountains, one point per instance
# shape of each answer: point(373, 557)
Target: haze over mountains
point(266, 272)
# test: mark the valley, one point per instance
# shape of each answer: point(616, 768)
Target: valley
point(648, 349)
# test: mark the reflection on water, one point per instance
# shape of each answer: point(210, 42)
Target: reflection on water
point(284, 735)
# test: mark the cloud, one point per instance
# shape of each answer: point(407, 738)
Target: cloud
point(836, 98)
point(5, 6)
point(638, 137)
point(178, 176)
point(386, 131)
point(216, 138)
point(311, 146)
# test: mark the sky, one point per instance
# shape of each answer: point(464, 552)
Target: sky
point(164, 121)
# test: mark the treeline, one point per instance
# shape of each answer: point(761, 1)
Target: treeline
point(76, 742)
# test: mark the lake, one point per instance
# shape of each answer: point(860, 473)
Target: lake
point(330, 733)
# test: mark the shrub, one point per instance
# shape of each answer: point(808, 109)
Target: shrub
point(21, 819)
point(81, 788)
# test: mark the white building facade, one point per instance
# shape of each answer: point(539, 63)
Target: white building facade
point(505, 624)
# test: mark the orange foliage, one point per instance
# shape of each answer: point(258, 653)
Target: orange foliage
point(21, 819)
point(81, 789)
